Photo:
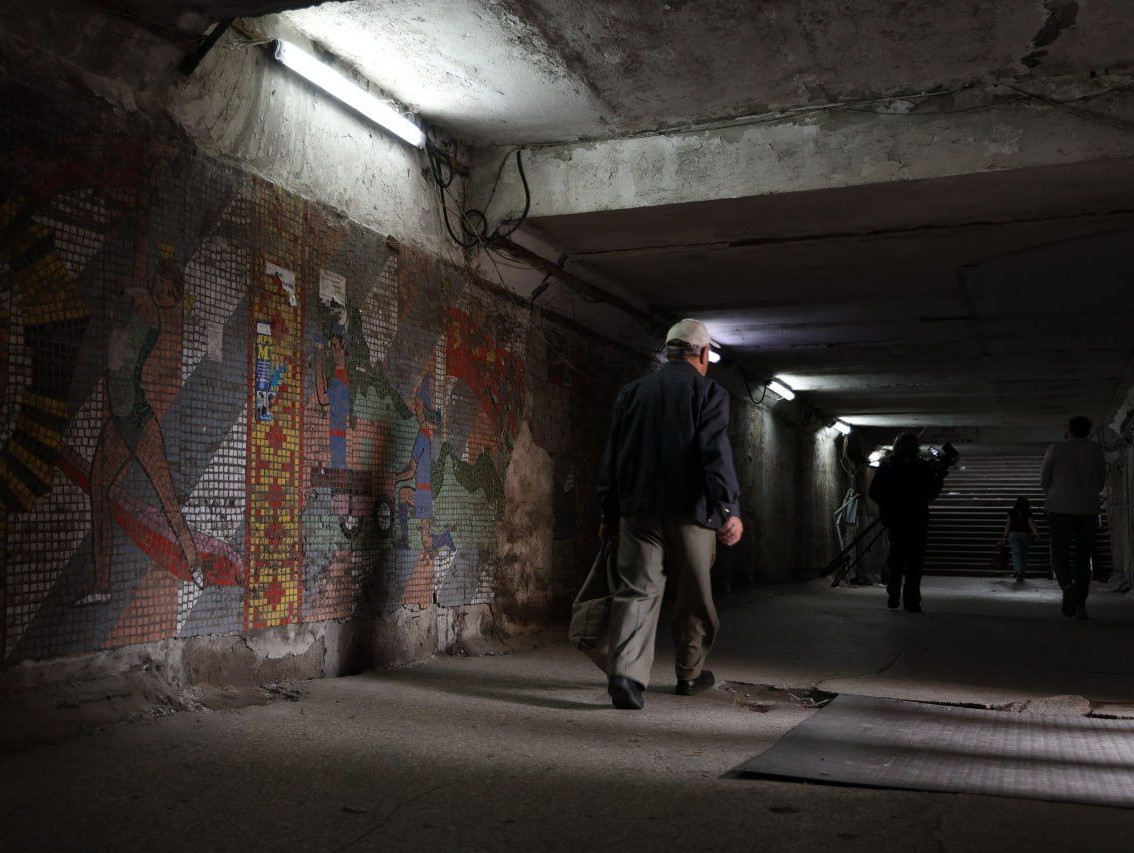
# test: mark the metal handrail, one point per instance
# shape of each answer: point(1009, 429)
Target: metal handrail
point(843, 561)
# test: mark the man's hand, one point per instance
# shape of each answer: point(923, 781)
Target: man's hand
point(608, 532)
point(731, 531)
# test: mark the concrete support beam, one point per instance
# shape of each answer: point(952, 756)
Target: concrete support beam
point(899, 141)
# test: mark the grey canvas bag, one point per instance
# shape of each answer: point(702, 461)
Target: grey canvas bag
point(590, 614)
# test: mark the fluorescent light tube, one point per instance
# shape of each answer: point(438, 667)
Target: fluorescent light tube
point(843, 428)
point(781, 389)
point(350, 93)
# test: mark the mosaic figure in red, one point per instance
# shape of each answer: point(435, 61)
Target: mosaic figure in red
point(143, 376)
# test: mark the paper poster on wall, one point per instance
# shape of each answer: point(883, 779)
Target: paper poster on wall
point(267, 379)
point(286, 278)
point(332, 288)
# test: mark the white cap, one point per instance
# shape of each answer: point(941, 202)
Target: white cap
point(693, 332)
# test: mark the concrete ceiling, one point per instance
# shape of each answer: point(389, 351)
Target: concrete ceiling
point(525, 71)
point(990, 301)
point(999, 300)
point(470, 67)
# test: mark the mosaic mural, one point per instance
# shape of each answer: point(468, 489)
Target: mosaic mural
point(224, 408)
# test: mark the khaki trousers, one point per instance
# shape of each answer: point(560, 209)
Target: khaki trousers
point(652, 547)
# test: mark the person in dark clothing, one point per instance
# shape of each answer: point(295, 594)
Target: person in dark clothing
point(1019, 528)
point(904, 485)
point(669, 493)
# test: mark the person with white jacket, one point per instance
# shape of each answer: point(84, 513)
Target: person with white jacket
point(1074, 472)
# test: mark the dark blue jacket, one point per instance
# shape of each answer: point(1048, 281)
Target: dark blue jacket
point(668, 449)
point(903, 490)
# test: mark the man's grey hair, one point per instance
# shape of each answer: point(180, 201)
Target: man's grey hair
point(676, 350)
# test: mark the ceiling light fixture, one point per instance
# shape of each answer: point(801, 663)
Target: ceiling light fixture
point(842, 428)
point(714, 356)
point(350, 93)
point(781, 389)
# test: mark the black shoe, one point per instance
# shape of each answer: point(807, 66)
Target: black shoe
point(1081, 612)
point(894, 602)
point(689, 686)
point(1069, 600)
point(913, 608)
point(626, 693)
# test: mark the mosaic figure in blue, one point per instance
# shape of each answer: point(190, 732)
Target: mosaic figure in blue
point(419, 471)
point(333, 394)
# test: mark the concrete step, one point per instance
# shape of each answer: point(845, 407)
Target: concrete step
point(968, 519)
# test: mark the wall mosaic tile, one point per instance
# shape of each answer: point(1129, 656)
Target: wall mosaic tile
point(225, 409)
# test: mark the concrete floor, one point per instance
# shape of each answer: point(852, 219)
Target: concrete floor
point(523, 751)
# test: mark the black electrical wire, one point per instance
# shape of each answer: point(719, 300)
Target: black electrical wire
point(474, 221)
point(807, 414)
point(748, 387)
point(540, 288)
point(496, 180)
point(527, 202)
point(1085, 115)
point(449, 227)
point(1022, 95)
point(436, 168)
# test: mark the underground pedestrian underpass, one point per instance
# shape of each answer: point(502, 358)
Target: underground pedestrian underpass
point(314, 319)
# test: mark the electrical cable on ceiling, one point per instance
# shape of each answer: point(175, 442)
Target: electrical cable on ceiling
point(857, 105)
point(496, 180)
point(527, 202)
point(537, 327)
point(507, 260)
point(748, 387)
point(474, 224)
point(808, 414)
point(1067, 108)
point(991, 105)
point(852, 470)
point(540, 288)
point(474, 221)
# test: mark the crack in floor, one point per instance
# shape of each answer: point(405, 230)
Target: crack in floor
point(391, 814)
point(870, 674)
point(762, 698)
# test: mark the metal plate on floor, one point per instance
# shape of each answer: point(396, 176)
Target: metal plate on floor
point(886, 743)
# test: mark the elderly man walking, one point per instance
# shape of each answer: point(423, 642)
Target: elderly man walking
point(1074, 472)
point(669, 493)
